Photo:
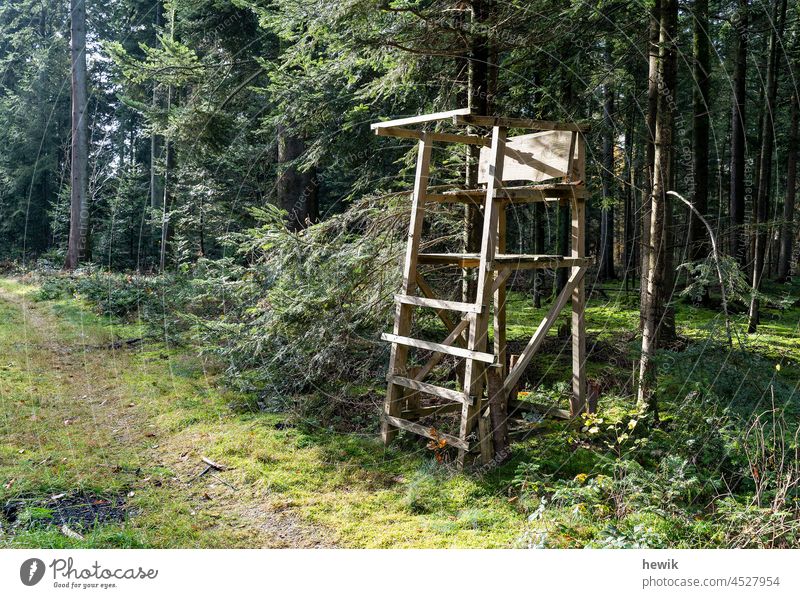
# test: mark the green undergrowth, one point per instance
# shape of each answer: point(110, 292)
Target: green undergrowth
point(709, 473)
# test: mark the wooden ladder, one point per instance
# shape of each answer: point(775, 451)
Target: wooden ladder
point(467, 333)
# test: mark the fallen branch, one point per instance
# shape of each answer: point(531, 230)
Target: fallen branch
point(716, 262)
point(213, 464)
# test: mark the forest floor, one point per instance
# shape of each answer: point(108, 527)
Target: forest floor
point(102, 437)
point(106, 438)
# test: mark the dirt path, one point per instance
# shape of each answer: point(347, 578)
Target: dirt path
point(81, 416)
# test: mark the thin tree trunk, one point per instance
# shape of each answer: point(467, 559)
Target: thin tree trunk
point(156, 190)
point(629, 209)
point(652, 106)
point(765, 162)
point(738, 137)
point(787, 225)
point(607, 213)
point(79, 179)
point(659, 251)
point(296, 190)
point(698, 238)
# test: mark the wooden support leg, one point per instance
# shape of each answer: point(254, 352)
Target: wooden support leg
point(402, 324)
point(578, 401)
point(499, 331)
point(498, 413)
point(474, 371)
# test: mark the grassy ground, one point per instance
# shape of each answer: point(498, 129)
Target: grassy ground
point(131, 424)
point(83, 416)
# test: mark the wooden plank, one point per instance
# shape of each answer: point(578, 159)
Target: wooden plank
point(500, 278)
point(473, 371)
point(435, 136)
point(504, 261)
point(540, 333)
point(521, 194)
point(578, 399)
point(535, 157)
point(402, 323)
point(439, 347)
point(499, 328)
point(485, 439)
point(431, 389)
point(422, 118)
point(453, 337)
point(498, 410)
point(518, 123)
point(439, 304)
point(427, 432)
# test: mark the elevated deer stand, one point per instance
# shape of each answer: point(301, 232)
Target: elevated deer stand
point(555, 151)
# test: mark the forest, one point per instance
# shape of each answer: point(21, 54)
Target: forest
point(201, 239)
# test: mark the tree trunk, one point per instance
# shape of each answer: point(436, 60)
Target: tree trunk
point(165, 207)
point(156, 189)
point(652, 105)
point(80, 145)
point(787, 225)
point(296, 189)
point(629, 209)
point(607, 215)
point(738, 138)
point(765, 162)
point(698, 236)
point(659, 251)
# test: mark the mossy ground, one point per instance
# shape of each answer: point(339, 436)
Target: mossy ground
point(81, 414)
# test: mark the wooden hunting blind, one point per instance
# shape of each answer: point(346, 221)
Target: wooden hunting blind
point(553, 159)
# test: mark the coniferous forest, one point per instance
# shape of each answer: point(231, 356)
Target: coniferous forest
point(201, 240)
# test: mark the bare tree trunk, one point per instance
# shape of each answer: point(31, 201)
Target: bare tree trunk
point(165, 207)
point(698, 242)
point(607, 214)
point(296, 189)
point(629, 208)
point(80, 144)
point(738, 137)
point(652, 106)
point(765, 162)
point(787, 225)
point(156, 190)
point(658, 250)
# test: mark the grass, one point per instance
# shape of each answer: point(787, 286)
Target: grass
point(79, 415)
point(135, 423)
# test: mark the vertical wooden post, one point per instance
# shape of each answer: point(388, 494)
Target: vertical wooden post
point(402, 321)
point(473, 372)
point(498, 411)
point(500, 295)
point(578, 401)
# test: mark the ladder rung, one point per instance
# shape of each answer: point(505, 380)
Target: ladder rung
point(438, 347)
point(472, 308)
point(503, 260)
point(427, 432)
point(529, 193)
point(431, 389)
